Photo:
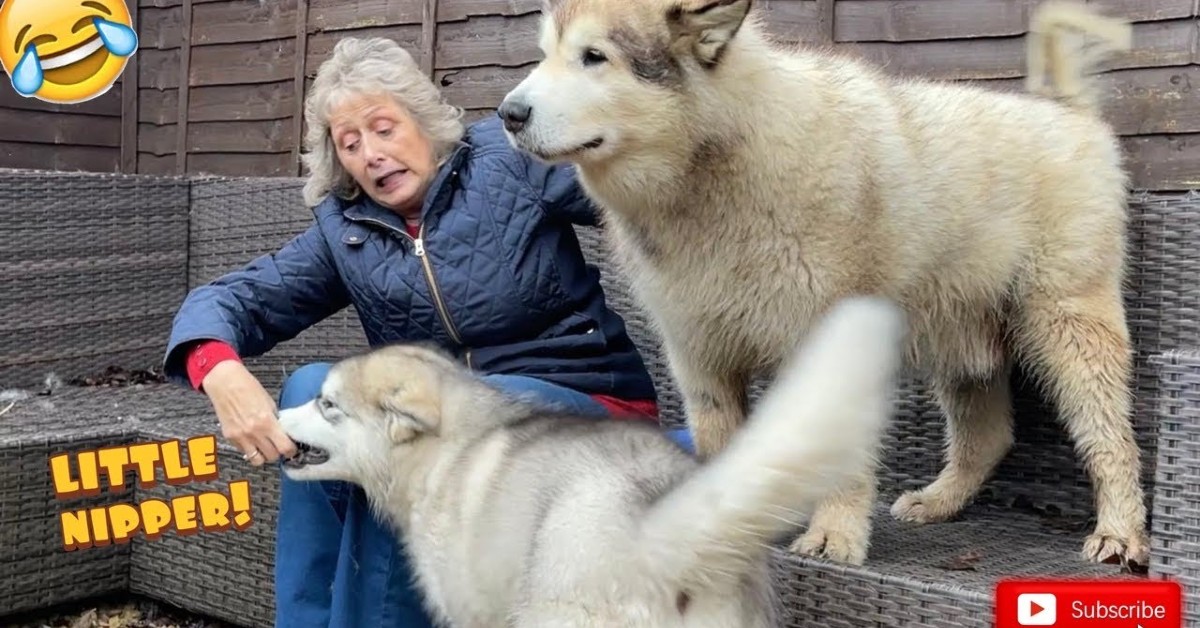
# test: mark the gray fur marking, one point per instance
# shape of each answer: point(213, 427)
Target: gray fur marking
point(650, 60)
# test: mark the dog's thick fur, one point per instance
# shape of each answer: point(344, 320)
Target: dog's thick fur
point(747, 186)
point(519, 516)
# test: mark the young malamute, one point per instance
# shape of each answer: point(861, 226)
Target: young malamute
point(519, 516)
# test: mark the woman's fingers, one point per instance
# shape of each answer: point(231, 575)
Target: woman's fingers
point(265, 448)
point(234, 430)
point(280, 440)
point(247, 414)
point(264, 433)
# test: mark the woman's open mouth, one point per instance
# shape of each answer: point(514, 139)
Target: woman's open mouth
point(77, 63)
point(306, 455)
point(390, 180)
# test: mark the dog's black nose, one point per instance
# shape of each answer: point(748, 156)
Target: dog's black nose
point(515, 115)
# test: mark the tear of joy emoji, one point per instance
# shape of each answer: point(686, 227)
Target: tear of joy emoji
point(65, 51)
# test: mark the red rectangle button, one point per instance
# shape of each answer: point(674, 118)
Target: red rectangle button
point(1089, 603)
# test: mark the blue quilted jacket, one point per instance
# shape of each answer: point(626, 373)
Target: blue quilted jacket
point(497, 277)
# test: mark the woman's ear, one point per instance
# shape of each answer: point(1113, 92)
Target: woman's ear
point(708, 28)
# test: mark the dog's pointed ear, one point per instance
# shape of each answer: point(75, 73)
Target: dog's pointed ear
point(412, 411)
point(709, 27)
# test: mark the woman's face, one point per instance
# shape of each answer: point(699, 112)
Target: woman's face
point(384, 150)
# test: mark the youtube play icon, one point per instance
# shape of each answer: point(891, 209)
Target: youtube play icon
point(1037, 609)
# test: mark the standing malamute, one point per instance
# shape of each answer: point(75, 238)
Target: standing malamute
point(747, 186)
point(522, 517)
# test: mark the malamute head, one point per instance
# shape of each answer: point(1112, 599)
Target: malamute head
point(370, 406)
point(619, 76)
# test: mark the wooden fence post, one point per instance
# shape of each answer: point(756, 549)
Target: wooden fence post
point(299, 78)
point(185, 62)
point(1196, 33)
point(129, 103)
point(428, 37)
point(825, 19)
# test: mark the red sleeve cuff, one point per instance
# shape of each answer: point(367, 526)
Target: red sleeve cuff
point(203, 356)
point(628, 408)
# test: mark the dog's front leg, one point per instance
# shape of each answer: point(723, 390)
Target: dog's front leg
point(713, 417)
point(715, 402)
point(979, 433)
point(840, 529)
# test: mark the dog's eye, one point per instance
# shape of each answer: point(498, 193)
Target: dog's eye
point(591, 56)
point(329, 410)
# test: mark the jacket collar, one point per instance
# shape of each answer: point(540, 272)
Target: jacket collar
point(364, 208)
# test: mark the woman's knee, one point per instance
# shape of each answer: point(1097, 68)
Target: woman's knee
point(546, 393)
point(683, 438)
point(314, 497)
point(303, 385)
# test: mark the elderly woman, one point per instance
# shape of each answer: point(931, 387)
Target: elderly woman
point(434, 232)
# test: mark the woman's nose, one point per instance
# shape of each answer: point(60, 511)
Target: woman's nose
point(371, 152)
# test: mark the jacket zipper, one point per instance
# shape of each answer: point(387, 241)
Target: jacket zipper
point(419, 246)
point(419, 251)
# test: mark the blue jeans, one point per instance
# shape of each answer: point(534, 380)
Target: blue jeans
point(336, 566)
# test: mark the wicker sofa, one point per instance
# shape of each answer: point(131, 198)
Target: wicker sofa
point(92, 267)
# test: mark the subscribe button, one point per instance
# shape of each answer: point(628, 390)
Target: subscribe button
point(1089, 603)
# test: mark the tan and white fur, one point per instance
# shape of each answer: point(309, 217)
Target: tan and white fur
point(521, 516)
point(747, 185)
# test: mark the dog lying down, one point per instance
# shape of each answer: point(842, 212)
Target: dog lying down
point(514, 515)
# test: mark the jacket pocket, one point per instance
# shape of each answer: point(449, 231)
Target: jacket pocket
point(581, 328)
point(355, 235)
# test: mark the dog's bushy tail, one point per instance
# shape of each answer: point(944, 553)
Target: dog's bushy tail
point(818, 426)
point(1065, 42)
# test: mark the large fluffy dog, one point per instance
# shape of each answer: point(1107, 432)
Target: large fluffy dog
point(521, 517)
point(747, 187)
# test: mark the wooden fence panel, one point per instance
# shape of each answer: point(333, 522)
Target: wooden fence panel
point(248, 65)
point(81, 136)
point(336, 15)
point(1164, 162)
point(239, 102)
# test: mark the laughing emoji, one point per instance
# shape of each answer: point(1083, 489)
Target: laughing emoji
point(65, 51)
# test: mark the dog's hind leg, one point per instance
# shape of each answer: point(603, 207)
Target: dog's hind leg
point(1079, 347)
point(979, 432)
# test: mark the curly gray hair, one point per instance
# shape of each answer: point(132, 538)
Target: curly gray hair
point(361, 66)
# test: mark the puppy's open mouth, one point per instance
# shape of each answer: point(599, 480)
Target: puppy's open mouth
point(306, 455)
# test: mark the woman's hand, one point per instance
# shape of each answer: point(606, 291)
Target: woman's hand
point(247, 413)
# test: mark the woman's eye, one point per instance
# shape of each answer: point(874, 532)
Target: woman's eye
point(591, 56)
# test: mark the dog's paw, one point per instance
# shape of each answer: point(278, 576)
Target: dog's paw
point(1131, 550)
point(842, 545)
point(924, 506)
